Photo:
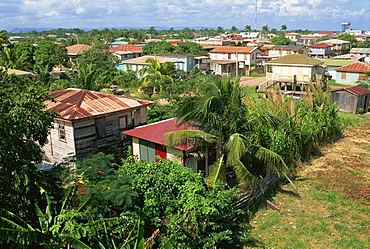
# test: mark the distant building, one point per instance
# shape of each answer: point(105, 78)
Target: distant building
point(353, 99)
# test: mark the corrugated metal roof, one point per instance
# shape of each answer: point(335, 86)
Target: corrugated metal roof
point(127, 48)
point(357, 90)
point(355, 67)
point(77, 49)
point(297, 59)
point(321, 46)
point(228, 49)
point(288, 47)
point(155, 132)
point(74, 104)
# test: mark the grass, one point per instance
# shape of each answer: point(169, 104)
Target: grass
point(330, 207)
point(333, 83)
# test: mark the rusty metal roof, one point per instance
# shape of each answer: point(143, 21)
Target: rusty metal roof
point(228, 49)
point(73, 104)
point(155, 132)
point(143, 60)
point(356, 90)
point(355, 67)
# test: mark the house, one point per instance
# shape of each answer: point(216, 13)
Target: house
point(321, 50)
point(126, 51)
point(351, 73)
point(90, 122)
point(278, 51)
point(227, 60)
point(293, 36)
point(332, 64)
point(77, 50)
point(292, 72)
point(310, 39)
point(136, 64)
point(353, 99)
point(339, 46)
point(118, 43)
point(189, 61)
point(148, 143)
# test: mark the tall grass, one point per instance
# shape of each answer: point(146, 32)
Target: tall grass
point(308, 123)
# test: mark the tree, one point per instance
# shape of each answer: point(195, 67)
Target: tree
point(25, 51)
point(283, 27)
point(220, 30)
point(248, 28)
point(265, 28)
point(233, 29)
point(9, 59)
point(25, 126)
point(221, 115)
point(49, 54)
point(160, 47)
point(156, 75)
point(84, 77)
point(348, 37)
point(186, 212)
point(189, 47)
point(281, 40)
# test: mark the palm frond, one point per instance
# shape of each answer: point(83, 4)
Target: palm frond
point(193, 137)
point(218, 173)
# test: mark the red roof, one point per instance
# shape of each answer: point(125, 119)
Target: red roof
point(330, 33)
point(228, 49)
point(357, 90)
point(155, 132)
point(127, 48)
point(175, 42)
point(72, 104)
point(355, 67)
point(77, 48)
point(321, 45)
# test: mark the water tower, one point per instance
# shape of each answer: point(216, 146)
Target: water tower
point(345, 26)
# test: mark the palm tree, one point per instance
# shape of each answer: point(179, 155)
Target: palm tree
point(156, 75)
point(84, 77)
point(283, 27)
point(266, 28)
point(221, 115)
point(9, 58)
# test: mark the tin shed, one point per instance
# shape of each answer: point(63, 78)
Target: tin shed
point(351, 99)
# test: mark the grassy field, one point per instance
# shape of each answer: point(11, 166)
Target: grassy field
point(331, 206)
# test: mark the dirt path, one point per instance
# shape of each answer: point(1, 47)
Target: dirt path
point(251, 81)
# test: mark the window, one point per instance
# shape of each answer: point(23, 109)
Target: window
point(61, 130)
point(344, 76)
point(100, 127)
point(147, 150)
point(269, 68)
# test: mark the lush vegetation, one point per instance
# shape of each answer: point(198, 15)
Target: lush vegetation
point(95, 203)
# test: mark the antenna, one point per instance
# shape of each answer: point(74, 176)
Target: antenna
point(255, 17)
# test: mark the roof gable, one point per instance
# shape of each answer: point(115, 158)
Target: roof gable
point(355, 67)
point(72, 104)
point(296, 59)
point(156, 132)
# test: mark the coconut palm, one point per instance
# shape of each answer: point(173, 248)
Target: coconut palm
point(156, 75)
point(9, 58)
point(221, 115)
point(84, 77)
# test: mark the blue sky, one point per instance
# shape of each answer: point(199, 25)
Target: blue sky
point(296, 14)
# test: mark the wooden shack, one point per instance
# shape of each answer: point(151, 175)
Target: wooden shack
point(90, 122)
point(353, 99)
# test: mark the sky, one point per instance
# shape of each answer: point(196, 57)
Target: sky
point(89, 14)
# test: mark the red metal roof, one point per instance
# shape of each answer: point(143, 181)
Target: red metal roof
point(330, 33)
point(72, 104)
point(155, 132)
point(127, 48)
point(175, 42)
point(357, 90)
point(355, 67)
point(322, 45)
